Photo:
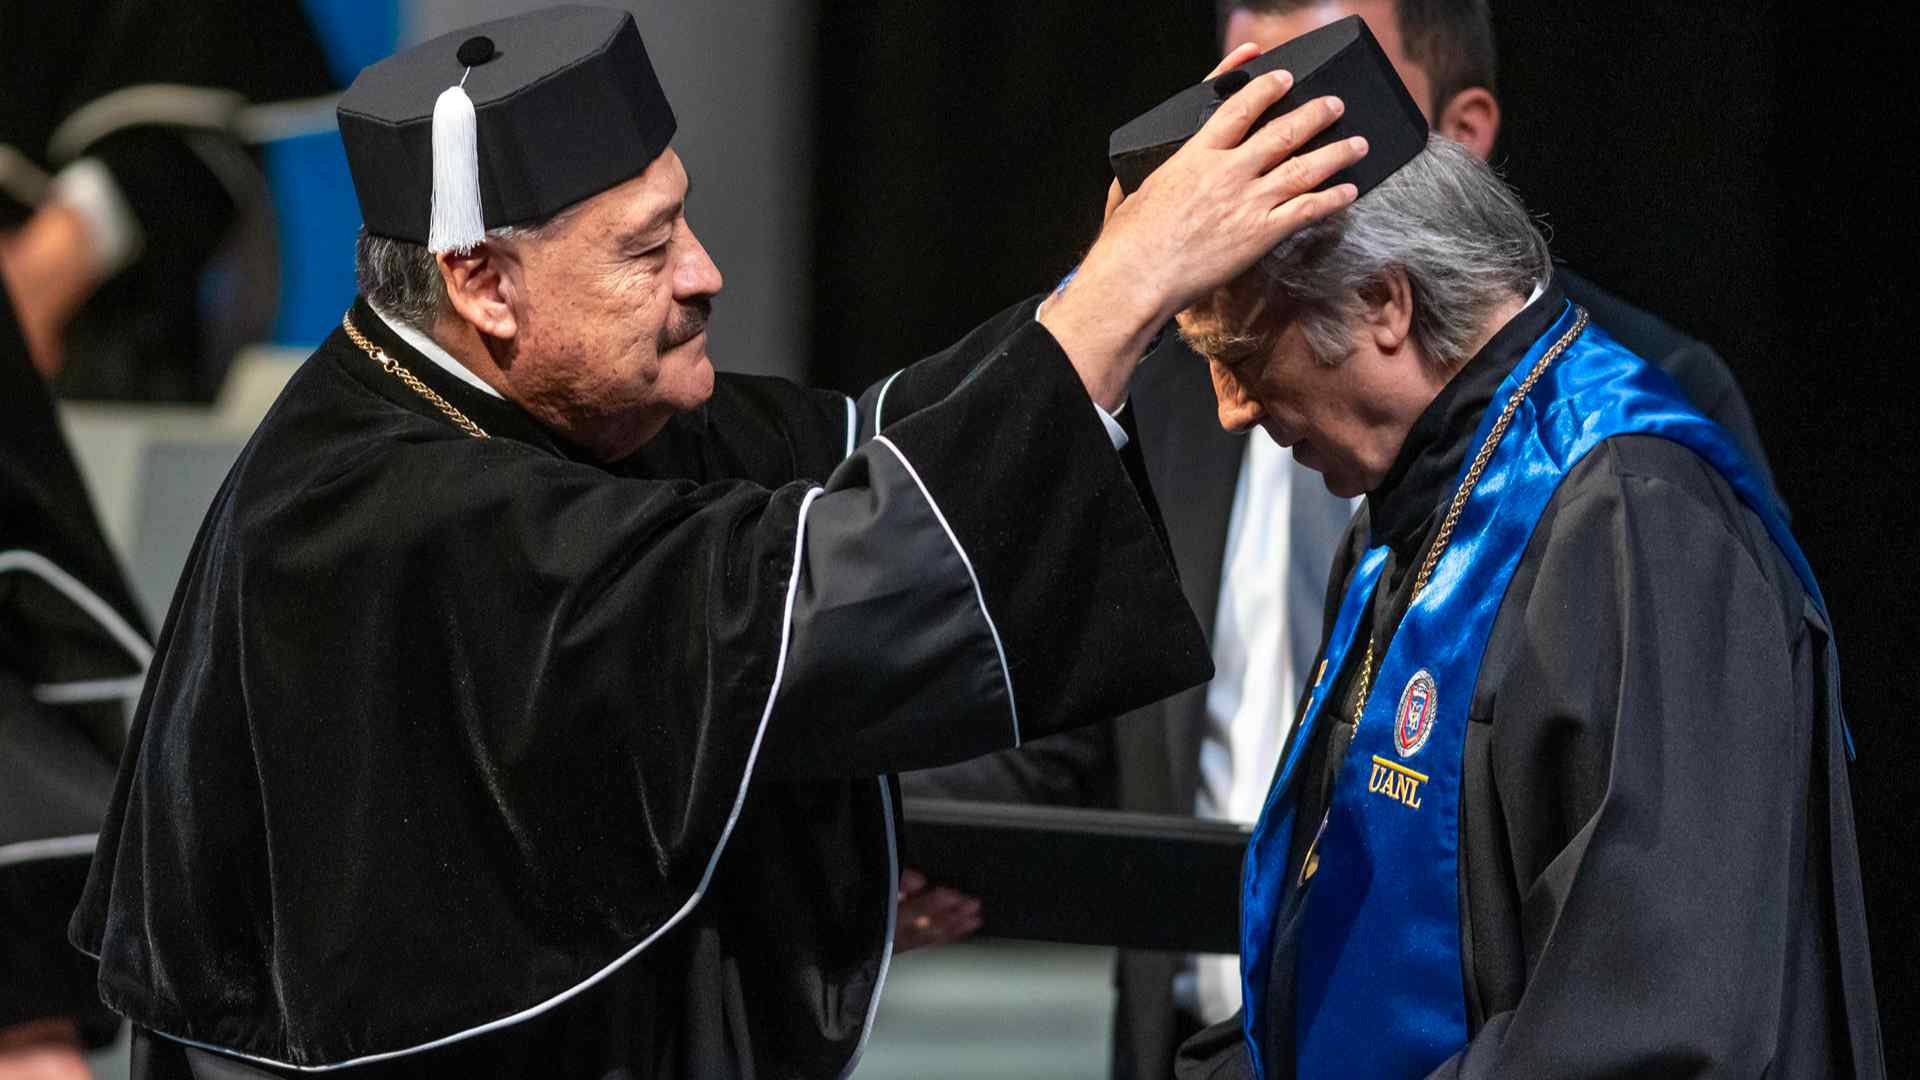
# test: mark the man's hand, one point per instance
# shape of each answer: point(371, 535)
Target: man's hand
point(1240, 55)
point(1218, 204)
point(42, 1050)
point(931, 916)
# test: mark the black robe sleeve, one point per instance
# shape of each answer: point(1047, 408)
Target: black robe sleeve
point(1073, 768)
point(1647, 777)
point(994, 475)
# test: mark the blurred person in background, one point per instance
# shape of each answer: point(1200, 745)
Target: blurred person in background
point(135, 232)
point(73, 651)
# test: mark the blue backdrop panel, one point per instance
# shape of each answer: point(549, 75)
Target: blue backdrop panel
point(312, 192)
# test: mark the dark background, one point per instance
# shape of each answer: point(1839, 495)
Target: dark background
point(1739, 169)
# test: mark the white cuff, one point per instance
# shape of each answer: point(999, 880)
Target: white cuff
point(1114, 431)
point(89, 189)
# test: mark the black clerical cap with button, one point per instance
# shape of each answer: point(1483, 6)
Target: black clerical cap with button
point(1341, 59)
point(503, 123)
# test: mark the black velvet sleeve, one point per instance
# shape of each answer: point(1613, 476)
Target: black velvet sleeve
point(1638, 783)
point(988, 545)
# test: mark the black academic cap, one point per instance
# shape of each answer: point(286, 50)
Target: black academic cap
point(565, 105)
point(1341, 59)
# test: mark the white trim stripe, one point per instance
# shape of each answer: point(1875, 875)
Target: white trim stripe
point(56, 847)
point(85, 690)
point(277, 120)
point(853, 427)
point(893, 915)
point(880, 402)
point(978, 593)
point(173, 104)
point(32, 562)
point(699, 892)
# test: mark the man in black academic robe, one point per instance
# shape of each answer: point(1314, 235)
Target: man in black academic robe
point(1152, 761)
point(1657, 871)
point(1650, 634)
point(73, 651)
point(527, 705)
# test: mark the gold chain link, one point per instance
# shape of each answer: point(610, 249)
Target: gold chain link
point(399, 371)
point(1440, 539)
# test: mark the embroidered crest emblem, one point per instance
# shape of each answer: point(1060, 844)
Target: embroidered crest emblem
point(1413, 723)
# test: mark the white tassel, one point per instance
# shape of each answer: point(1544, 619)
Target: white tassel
point(456, 224)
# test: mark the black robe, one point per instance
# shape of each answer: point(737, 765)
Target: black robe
point(446, 736)
point(1659, 873)
point(73, 649)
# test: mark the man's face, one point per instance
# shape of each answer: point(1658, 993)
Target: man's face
point(1267, 31)
point(612, 308)
point(1345, 421)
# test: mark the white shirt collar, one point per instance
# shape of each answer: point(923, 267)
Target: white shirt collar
point(431, 349)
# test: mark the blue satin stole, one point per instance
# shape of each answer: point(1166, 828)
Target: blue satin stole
point(1378, 986)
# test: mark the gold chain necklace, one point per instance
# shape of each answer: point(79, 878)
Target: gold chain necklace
point(399, 371)
point(1439, 545)
point(1311, 863)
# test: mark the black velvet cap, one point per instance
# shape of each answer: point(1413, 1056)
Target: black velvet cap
point(1341, 59)
point(566, 105)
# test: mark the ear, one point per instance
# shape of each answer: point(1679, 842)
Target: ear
point(1472, 119)
point(482, 286)
point(1386, 311)
point(1238, 409)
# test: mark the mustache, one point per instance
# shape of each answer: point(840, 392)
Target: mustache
point(686, 324)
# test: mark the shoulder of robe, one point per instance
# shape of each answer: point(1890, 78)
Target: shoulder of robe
point(1695, 365)
point(330, 439)
point(1648, 335)
point(1657, 480)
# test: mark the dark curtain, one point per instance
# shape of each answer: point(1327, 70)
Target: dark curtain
point(961, 158)
point(1737, 169)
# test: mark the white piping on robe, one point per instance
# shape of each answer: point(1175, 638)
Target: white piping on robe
point(893, 859)
point(893, 915)
point(880, 402)
point(32, 562)
point(81, 691)
point(57, 847)
point(171, 104)
point(978, 593)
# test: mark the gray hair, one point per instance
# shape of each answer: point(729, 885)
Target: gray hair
point(1460, 234)
point(402, 278)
